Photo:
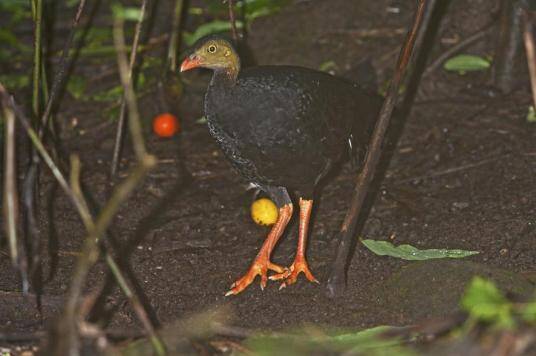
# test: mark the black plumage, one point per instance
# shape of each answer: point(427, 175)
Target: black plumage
point(282, 127)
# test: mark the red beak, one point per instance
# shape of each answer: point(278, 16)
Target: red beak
point(190, 63)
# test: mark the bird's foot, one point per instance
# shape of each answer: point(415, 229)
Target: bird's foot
point(290, 276)
point(260, 267)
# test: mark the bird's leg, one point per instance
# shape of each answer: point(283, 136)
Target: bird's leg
point(300, 263)
point(262, 263)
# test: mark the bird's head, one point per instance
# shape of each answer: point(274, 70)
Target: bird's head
point(214, 53)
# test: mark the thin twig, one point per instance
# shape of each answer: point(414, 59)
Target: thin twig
point(174, 41)
point(90, 251)
point(466, 42)
point(30, 180)
point(336, 281)
point(119, 137)
point(29, 185)
point(34, 137)
point(232, 19)
point(10, 177)
point(145, 163)
point(59, 77)
point(528, 38)
point(37, 14)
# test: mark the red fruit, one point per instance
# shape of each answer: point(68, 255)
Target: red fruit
point(165, 125)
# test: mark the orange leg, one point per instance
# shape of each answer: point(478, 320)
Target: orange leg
point(262, 264)
point(300, 263)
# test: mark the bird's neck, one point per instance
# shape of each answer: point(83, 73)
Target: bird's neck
point(226, 76)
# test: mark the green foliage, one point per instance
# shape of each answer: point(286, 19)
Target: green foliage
point(258, 8)
point(14, 12)
point(528, 312)
point(531, 115)
point(110, 95)
point(96, 37)
point(369, 342)
point(208, 28)
point(367, 339)
point(126, 13)
point(202, 120)
point(327, 66)
point(253, 9)
point(15, 81)
point(76, 86)
point(466, 63)
point(18, 10)
point(408, 252)
point(8, 38)
point(485, 302)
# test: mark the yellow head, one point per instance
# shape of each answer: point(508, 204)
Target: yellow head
point(213, 53)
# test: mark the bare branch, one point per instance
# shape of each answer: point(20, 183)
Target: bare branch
point(529, 18)
point(336, 281)
point(174, 41)
point(10, 177)
point(232, 19)
point(120, 131)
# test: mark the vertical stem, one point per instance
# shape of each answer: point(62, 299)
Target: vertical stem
point(10, 177)
point(508, 44)
point(174, 41)
point(37, 13)
point(528, 37)
point(61, 72)
point(120, 131)
point(125, 72)
point(232, 19)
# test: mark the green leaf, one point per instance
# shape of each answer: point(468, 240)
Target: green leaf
point(202, 120)
point(408, 252)
point(112, 94)
point(366, 342)
point(126, 13)
point(327, 66)
point(76, 86)
point(528, 312)
point(15, 81)
point(8, 38)
point(258, 8)
point(485, 302)
point(466, 63)
point(367, 338)
point(209, 28)
point(531, 115)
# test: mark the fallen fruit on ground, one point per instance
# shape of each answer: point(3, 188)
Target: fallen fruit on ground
point(264, 212)
point(166, 125)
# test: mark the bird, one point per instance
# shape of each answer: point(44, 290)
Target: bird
point(283, 128)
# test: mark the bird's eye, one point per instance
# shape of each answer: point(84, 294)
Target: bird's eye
point(211, 49)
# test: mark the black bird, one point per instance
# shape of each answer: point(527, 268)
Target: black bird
point(282, 128)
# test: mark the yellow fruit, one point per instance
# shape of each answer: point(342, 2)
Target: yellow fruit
point(264, 212)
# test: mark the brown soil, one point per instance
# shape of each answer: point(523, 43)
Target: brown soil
point(462, 176)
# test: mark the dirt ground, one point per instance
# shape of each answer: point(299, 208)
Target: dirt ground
point(462, 176)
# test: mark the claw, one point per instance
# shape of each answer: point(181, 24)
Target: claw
point(282, 275)
point(259, 267)
point(300, 265)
